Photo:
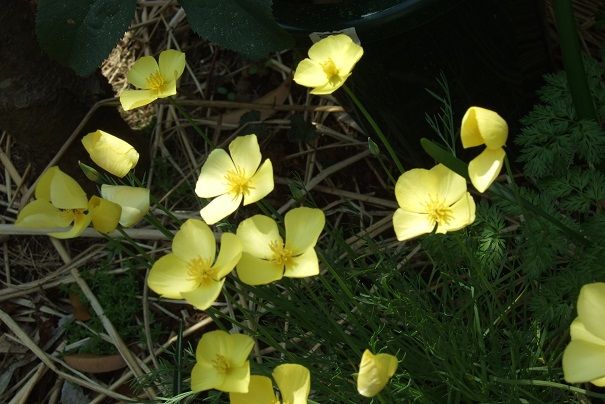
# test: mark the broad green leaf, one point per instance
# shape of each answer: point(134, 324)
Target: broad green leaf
point(245, 26)
point(81, 33)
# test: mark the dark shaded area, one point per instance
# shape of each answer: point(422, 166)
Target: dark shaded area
point(42, 102)
point(493, 54)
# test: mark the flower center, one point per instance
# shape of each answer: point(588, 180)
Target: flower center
point(156, 81)
point(330, 69)
point(200, 271)
point(221, 364)
point(239, 182)
point(281, 254)
point(439, 213)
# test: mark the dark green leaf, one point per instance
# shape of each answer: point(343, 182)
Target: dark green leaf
point(245, 26)
point(444, 157)
point(81, 33)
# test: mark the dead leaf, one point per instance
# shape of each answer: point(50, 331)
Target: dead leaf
point(80, 310)
point(95, 363)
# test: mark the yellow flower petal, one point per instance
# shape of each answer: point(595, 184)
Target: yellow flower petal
point(169, 277)
point(42, 190)
point(66, 193)
point(303, 265)
point(375, 372)
point(483, 126)
point(256, 235)
point(450, 186)
point(141, 70)
point(131, 99)
point(203, 297)
point(340, 49)
point(303, 227)
point(168, 89)
point(212, 180)
point(133, 200)
point(228, 256)
point(334, 84)
point(172, 64)
point(245, 153)
point(484, 168)
point(220, 207)
point(583, 362)
point(261, 183)
point(294, 382)
point(41, 214)
point(80, 223)
point(255, 271)
point(110, 152)
point(205, 377)
point(462, 214)
point(194, 240)
point(260, 391)
point(413, 188)
point(226, 354)
point(408, 225)
point(578, 331)
point(237, 380)
point(105, 214)
point(309, 73)
point(591, 308)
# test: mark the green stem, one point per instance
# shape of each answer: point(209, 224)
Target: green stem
point(158, 225)
point(572, 59)
point(176, 388)
point(190, 120)
point(375, 127)
point(525, 204)
point(546, 383)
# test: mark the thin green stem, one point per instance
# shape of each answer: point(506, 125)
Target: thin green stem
point(178, 374)
point(572, 59)
point(158, 225)
point(375, 127)
point(546, 383)
point(526, 205)
point(191, 122)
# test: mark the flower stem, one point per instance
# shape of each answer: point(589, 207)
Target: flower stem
point(526, 205)
point(375, 127)
point(190, 120)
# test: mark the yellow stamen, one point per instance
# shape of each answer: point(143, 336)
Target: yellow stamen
point(281, 254)
point(221, 364)
point(331, 70)
point(239, 182)
point(200, 271)
point(439, 213)
point(156, 81)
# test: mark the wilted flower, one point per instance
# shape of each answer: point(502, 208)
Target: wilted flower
point(584, 357)
point(482, 126)
point(155, 81)
point(375, 371)
point(222, 362)
point(133, 200)
point(434, 199)
point(110, 152)
point(193, 271)
point(233, 179)
point(61, 202)
point(293, 381)
point(330, 62)
point(266, 258)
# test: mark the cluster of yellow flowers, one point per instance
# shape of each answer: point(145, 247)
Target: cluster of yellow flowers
point(61, 202)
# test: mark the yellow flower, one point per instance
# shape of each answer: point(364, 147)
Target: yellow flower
point(134, 202)
point(434, 199)
point(110, 152)
point(266, 258)
point(222, 362)
point(329, 64)
point(375, 371)
point(155, 81)
point(294, 382)
point(231, 179)
point(584, 357)
point(482, 126)
point(193, 271)
point(61, 202)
